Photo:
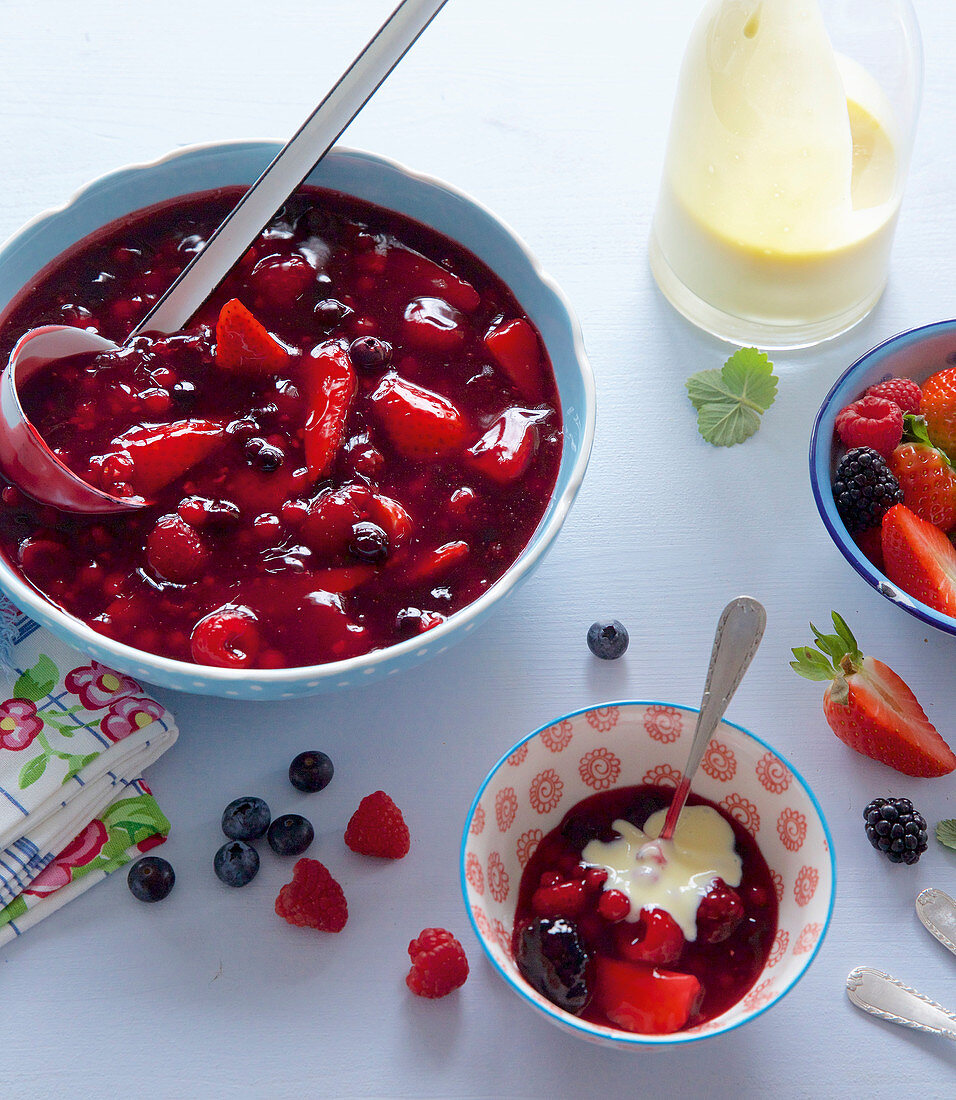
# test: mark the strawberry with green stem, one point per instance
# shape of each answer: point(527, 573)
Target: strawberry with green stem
point(925, 474)
point(870, 708)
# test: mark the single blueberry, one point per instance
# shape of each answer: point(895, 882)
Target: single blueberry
point(246, 818)
point(311, 771)
point(151, 878)
point(369, 542)
point(236, 863)
point(290, 835)
point(369, 353)
point(607, 639)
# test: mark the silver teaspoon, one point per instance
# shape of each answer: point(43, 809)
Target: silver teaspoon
point(890, 1000)
point(739, 630)
point(937, 911)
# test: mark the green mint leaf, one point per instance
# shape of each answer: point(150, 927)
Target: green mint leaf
point(730, 401)
point(946, 832)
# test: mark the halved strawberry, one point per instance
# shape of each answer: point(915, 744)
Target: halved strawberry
point(433, 563)
point(330, 388)
point(419, 422)
point(655, 938)
point(514, 346)
point(243, 344)
point(926, 475)
point(641, 997)
point(507, 447)
point(920, 559)
point(161, 452)
point(414, 272)
point(869, 707)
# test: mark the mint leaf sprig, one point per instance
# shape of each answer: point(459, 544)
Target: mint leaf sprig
point(730, 401)
point(946, 833)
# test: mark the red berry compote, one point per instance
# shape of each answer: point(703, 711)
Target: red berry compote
point(355, 437)
point(594, 949)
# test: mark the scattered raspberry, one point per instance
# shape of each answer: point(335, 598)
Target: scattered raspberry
point(439, 965)
point(871, 422)
point(719, 913)
point(313, 899)
point(377, 828)
point(903, 392)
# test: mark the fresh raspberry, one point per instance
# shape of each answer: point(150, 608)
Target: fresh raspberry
point(227, 637)
point(903, 392)
point(439, 965)
point(175, 551)
point(719, 913)
point(313, 899)
point(377, 828)
point(871, 422)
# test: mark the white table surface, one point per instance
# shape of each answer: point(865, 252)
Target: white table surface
point(554, 113)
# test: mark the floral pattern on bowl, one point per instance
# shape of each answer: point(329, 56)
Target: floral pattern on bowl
point(530, 790)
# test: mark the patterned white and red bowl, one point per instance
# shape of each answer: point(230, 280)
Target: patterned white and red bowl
point(529, 791)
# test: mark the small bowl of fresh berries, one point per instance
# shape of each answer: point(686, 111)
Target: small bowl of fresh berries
point(881, 469)
point(630, 941)
point(364, 439)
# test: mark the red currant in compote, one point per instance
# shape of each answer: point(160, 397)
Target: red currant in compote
point(641, 934)
point(354, 438)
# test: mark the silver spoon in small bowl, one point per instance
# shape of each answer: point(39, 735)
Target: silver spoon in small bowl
point(739, 630)
point(25, 459)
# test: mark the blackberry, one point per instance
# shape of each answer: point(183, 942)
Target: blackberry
point(864, 488)
point(553, 960)
point(895, 828)
point(607, 639)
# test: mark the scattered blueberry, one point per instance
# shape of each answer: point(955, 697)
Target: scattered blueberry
point(184, 393)
point(607, 640)
point(236, 863)
point(290, 835)
point(246, 818)
point(311, 771)
point(330, 313)
point(151, 878)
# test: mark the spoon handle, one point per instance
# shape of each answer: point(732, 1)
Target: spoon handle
point(739, 630)
point(887, 998)
point(937, 911)
point(291, 166)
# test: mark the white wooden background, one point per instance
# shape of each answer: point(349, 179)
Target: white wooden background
point(554, 113)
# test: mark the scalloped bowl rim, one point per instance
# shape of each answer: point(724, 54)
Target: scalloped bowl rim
point(821, 450)
point(623, 1039)
point(45, 611)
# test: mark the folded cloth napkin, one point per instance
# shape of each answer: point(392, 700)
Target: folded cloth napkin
point(74, 738)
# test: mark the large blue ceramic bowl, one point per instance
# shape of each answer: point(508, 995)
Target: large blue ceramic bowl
point(916, 353)
point(388, 184)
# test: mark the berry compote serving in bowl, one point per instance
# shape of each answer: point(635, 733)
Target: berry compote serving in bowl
point(881, 468)
point(362, 440)
point(622, 939)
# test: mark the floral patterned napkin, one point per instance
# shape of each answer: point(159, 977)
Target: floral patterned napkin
point(74, 738)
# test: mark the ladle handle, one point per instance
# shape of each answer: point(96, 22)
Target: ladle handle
point(739, 630)
point(290, 167)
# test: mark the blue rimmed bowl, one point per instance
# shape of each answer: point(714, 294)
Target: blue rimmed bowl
point(529, 791)
point(388, 184)
point(916, 353)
